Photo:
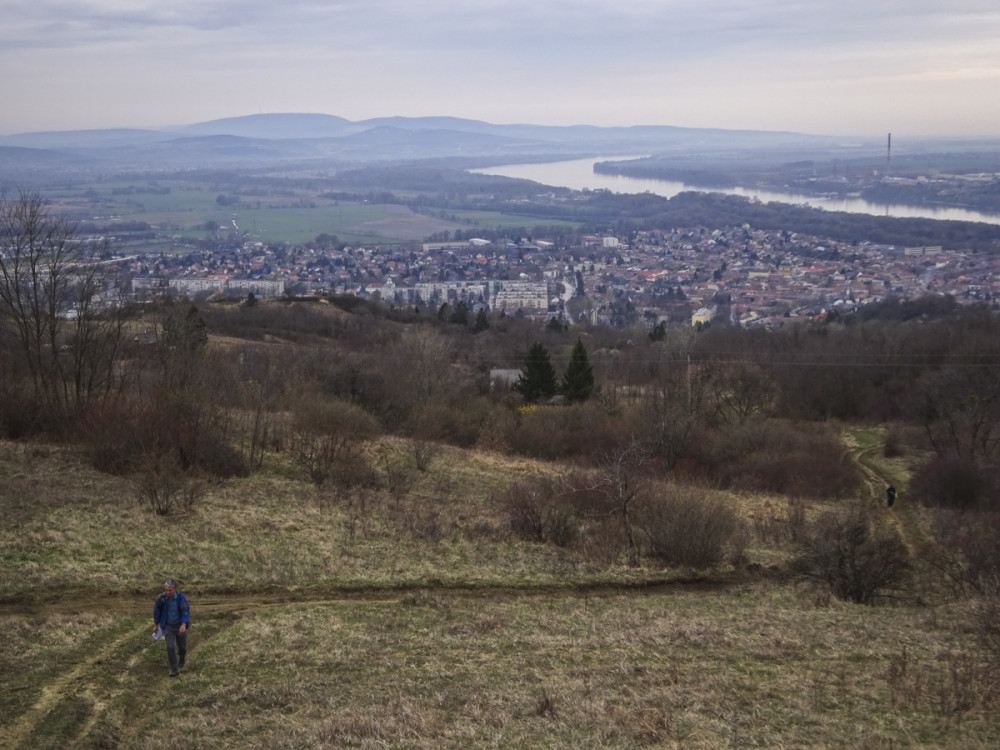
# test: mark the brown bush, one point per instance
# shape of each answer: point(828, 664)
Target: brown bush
point(956, 482)
point(967, 547)
point(538, 513)
point(117, 436)
point(687, 527)
point(113, 437)
point(559, 432)
point(779, 457)
point(164, 486)
point(858, 562)
point(327, 440)
point(455, 422)
point(538, 434)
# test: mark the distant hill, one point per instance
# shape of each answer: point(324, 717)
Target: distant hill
point(275, 126)
point(269, 140)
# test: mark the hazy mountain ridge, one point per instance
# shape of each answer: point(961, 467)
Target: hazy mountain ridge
point(275, 138)
point(290, 139)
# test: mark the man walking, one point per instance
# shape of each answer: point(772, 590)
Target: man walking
point(171, 614)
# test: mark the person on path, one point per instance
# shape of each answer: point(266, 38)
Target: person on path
point(890, 495)
point(172, 614)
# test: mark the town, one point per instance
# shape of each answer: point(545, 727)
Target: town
point(695, 276)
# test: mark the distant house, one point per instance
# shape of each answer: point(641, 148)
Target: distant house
point(702, 315)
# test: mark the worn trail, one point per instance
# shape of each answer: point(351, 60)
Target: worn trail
point(218, 604)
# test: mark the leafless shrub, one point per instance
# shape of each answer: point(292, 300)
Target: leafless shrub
point(537, 513)
point(857, 561)
point(951, 685)
point(558, 432)
point(114, 436)
point(424, 452)
point(399, 480)
point(165, 487)
point(966, 548)
point(356, 504)
point(961, 689)
point(399, 475)
point(956, 482)
point(560, 526)
point(454, 421)
point(327, 441)
point(686, 526)
point(780, 457)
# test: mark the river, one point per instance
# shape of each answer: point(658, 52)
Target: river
point(578, 174)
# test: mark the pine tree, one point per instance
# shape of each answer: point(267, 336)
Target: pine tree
point(538, 376)
point(460, 313)
point(482, 321)
point(578, 380)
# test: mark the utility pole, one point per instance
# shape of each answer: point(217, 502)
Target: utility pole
point(689, 382)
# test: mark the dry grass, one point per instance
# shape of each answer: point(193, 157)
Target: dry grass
point(760, 666)
point(415, 620)
point(72, 528)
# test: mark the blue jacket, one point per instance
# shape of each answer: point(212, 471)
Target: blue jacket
point(161, 610)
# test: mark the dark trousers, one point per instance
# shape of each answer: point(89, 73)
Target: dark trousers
point(177, 644)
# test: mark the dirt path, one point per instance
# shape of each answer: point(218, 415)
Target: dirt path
point(215, 604)
point(72, 683)
point(866, 446)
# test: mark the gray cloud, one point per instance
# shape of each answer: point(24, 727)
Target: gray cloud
point(774, 64)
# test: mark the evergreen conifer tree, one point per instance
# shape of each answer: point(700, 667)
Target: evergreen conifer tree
point(538, 376)
point(460, 313)
point(578, 380)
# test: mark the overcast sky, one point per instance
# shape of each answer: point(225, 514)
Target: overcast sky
point(844, 67)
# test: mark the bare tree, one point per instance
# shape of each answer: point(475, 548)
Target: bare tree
point(423, 356)
point(959, 408)
point(736, 391)
point(261, 383)
point(620, 480)
point(62, 321)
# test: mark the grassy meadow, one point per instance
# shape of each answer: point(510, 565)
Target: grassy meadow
point(417, 620)
point(290, 216)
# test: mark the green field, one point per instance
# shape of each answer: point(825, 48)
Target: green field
point(188, 211)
